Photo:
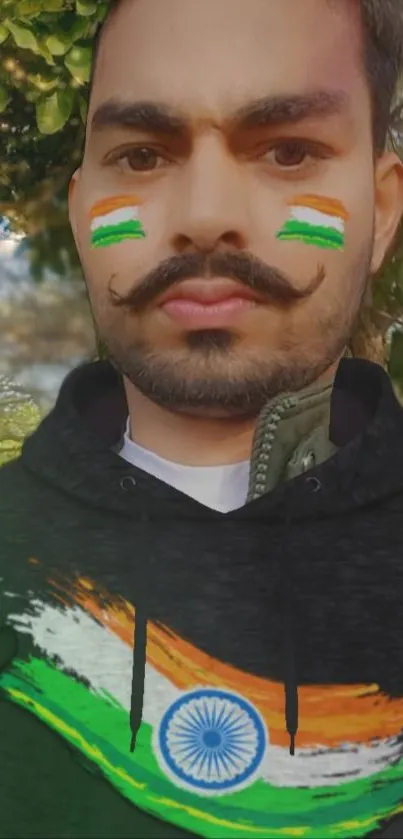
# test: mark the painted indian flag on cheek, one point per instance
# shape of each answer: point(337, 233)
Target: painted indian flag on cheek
point(115, 219)
point(212, 754)
point(316, 220)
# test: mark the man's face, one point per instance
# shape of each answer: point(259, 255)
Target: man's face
point(268, 103)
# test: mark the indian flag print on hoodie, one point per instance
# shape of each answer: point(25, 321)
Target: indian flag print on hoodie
point(212, 754)
point(316, 220)
point(115, 219)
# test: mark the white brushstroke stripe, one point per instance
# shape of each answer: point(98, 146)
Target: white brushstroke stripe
point(90, 650)
point(309, 216)
point(115, 217)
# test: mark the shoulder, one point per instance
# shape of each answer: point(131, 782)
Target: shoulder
point(21, 510)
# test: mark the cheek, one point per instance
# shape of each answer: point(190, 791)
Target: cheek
point(118, 263)
point(114, 220)
point(361, 205)
point(112, 242)
point(311, 230)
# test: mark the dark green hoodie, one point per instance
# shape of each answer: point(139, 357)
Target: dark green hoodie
point(168, 670)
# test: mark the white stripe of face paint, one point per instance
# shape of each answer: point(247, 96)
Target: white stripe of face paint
point(310, 216)
point(116, 217)
point(94, 652)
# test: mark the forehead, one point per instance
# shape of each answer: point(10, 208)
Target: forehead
point(216, 55)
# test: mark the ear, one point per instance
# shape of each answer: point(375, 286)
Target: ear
point(388, 205)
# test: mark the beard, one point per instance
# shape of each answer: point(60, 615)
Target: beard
point(209, 376)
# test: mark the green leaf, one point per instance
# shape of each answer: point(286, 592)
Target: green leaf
point(52, 6)
point(79, 29)
point(46, 54)
point(78, 62)
point(43, 84)
point(53, 112)
point(29, 8)
point(33, 95)
point(86, 8)
point(4, 98)
point(58, 44)
point(102, 10)
point(23, 37)
point(4, 33)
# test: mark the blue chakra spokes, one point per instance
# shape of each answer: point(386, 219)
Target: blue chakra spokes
point(212, 740)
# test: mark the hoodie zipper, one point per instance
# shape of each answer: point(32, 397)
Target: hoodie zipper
point(263, 444)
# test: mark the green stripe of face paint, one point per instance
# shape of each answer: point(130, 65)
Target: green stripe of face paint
point(112, 234)
point(310, 234)
point(99, 728)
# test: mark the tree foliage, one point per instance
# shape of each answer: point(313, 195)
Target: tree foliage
point(45, 49)
point(45, 62)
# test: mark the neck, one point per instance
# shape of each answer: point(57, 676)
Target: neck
point(192, 440)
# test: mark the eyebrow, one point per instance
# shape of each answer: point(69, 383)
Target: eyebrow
point(156, 118)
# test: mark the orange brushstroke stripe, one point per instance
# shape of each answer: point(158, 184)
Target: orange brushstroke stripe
point(330, 206)
point(329, 715)
point(108, 205)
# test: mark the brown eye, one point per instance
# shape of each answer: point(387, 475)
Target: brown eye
point(143, 159)
point(290, 154)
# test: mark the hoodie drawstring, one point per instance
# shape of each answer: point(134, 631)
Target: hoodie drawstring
point(290, 685)
point(140, 646)
point(139, 672)
point(290, 669)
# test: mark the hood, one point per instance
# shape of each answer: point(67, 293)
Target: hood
point(76, 447)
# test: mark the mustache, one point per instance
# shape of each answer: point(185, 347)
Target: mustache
point(271, 283)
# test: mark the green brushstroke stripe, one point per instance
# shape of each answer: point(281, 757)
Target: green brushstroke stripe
point(310, 240)
point(324, 237)
point(111, 234)
point(115, 240)
point(99, 728)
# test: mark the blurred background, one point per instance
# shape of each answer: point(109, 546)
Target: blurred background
point(46, 327)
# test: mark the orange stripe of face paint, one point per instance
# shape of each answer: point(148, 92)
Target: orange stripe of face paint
point(108, 205)
point(329, 715)
point(330, 206)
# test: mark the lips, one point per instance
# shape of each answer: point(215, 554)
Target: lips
point(212, 304)
point(209, 292)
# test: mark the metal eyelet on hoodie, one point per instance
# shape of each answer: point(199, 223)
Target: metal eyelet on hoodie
point(127, 483)
point(315, 484)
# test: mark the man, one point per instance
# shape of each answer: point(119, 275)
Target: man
point(201, 546)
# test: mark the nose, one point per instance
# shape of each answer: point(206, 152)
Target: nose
point(210, 207)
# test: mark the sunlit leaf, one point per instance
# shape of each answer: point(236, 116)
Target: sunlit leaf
point(23, 37)
point(19, 418)
point(53, 112)
point(78, 61)
point(59, 43)
point(45, 52)
point(4, 33)
point(42, 84)
point(86, 8)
